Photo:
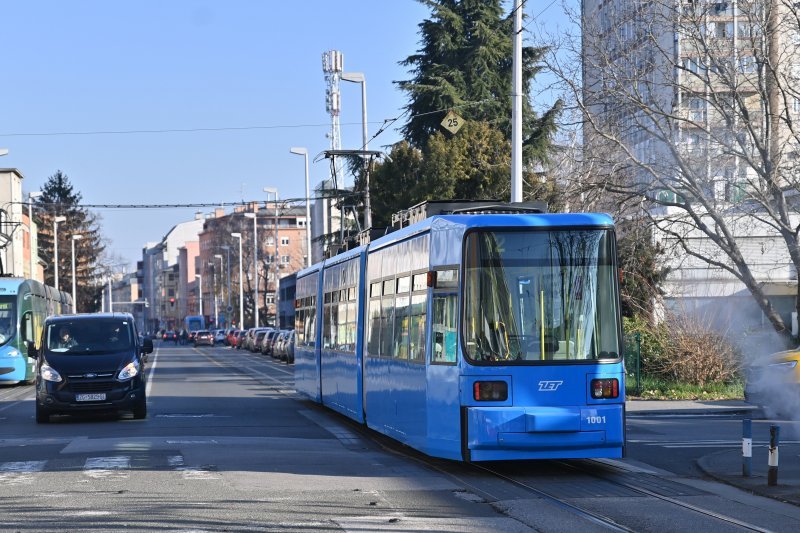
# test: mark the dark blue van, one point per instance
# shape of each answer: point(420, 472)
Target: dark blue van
point(90, 363)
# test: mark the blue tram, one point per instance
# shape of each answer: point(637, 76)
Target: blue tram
point(24, 304)
point(472, 337)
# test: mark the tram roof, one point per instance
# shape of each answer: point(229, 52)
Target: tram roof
point(466, 221)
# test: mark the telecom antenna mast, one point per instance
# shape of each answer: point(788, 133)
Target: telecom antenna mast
point(332, 66)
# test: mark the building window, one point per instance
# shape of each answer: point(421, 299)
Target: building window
point(284, 241)
point(270, 241)
point(270, 298)
point(285, 259)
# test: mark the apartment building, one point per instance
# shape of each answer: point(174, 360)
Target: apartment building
point(691, 108)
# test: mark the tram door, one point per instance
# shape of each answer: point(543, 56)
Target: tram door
point(444, 409)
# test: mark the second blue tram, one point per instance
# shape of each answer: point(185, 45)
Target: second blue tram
point(472, 337)
point(24, 304)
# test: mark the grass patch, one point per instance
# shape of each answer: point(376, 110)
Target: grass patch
point(654, 389)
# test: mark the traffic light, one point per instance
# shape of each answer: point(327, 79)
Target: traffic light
point(172, 302)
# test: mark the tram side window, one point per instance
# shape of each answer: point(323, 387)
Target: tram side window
point(311, 322)
point(444, 328)
point(417, 335)
point(373, 344)
point(401, 312)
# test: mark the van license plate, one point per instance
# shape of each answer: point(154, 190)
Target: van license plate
point(90, 397)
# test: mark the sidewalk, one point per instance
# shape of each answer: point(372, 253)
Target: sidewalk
point(726, 465)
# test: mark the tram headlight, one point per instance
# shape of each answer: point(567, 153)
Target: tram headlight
point(605, 388)
point(49, 373)
point(490, 391)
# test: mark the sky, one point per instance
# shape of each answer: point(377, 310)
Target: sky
point(252, 70)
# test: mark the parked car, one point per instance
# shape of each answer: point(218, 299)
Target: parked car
point(258, 338)
point(219, 336)
point(241, 335)
point(170, 336)
point(280, 343)
point(230, 335)
point(290, 348)
point(88, 363)
point(266, 345)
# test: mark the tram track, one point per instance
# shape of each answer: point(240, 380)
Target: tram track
point(583, 469)
point(472, 476)
point(13, 395)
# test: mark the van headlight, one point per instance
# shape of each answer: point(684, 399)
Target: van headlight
point(49, 373)
point(130, 371)
point(785, 364)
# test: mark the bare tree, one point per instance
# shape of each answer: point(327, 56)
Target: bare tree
point(688, 114)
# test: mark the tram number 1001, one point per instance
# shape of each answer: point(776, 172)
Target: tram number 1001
point(596, 419)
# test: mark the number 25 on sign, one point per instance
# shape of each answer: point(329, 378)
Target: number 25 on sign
point(452, 122)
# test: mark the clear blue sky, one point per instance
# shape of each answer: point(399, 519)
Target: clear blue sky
point(89, 66)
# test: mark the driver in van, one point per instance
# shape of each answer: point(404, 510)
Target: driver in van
point(65, 339)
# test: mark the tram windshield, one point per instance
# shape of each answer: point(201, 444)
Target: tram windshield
point(8, 318)
point(540, 296)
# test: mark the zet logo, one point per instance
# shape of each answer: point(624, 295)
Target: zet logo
point(549, 386)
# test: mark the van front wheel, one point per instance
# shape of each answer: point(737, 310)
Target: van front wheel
point(140, 409)
point(42, 415)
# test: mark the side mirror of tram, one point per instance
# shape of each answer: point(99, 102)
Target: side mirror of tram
point(33, 353)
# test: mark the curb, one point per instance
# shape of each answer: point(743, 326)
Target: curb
point(778, 493)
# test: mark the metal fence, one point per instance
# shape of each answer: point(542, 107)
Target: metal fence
point(633, 360)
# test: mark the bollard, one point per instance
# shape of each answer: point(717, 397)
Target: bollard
point(774, 438)
point(747, 447)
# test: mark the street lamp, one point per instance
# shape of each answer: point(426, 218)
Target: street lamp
point(304, 152)
point(56, 221)
point(238, 235)
point(215, 287)
point(254, 216)
point(31, 196)
point(228, 252)
point(358, 77)
point(74, 283)
point(200, 277)
point(273, 190)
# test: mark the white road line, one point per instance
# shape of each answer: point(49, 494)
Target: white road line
point(19, 472)
point(107, 467)
point(151, 374)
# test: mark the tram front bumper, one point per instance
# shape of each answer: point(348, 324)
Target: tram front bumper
point(545, 428)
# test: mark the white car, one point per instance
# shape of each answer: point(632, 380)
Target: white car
point(219, 336)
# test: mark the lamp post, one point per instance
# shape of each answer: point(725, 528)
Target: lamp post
point(358, 77)
point(304, 152)
point(74, 280)
point(238, 235)
point(216, 256)
point(200, 277)
point(228, 251)
point(273, 190)
point(31, 196)
point(254, 216)
point(56, 221)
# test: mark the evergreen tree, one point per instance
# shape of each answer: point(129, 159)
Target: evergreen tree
point(59, 198)
point(641, 262)
point(466, 60)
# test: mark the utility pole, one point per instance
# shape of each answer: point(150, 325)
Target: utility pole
point(516, 112)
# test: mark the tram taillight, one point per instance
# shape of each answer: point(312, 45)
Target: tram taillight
point(605, 388)
point(490, 391)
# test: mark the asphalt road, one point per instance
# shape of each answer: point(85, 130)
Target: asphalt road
point(228, 446)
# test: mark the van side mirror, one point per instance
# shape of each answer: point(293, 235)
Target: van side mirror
point(33, 353)
point(147, 346)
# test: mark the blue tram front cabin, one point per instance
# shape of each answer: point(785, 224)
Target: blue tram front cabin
point(472, 337)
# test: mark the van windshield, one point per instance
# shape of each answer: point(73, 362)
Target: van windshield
point(89, 337)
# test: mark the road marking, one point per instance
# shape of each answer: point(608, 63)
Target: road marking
point(107, 467)
point(19, 472)
point(151, 373)
point(191, 472)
